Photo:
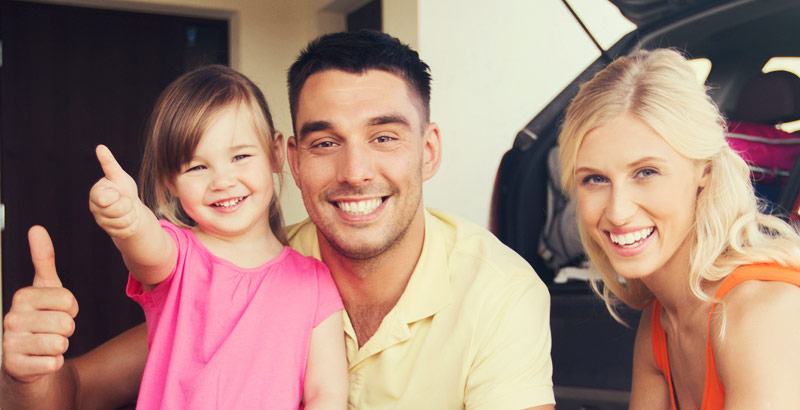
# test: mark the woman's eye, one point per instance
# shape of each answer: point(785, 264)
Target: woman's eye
point(593, 180)
point(646, 172)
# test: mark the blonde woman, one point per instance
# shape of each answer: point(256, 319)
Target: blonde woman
point(668, 216)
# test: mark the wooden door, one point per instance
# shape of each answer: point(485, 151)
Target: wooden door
point(72, 78)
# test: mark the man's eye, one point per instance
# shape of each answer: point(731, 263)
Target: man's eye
point(384, 138)
point(323, 144)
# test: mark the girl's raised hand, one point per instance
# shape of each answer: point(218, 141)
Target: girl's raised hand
point(114, 199)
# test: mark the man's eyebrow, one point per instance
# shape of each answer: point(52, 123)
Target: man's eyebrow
point(314, 126)
point(390, 119)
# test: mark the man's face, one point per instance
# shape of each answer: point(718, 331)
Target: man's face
point(360, 157)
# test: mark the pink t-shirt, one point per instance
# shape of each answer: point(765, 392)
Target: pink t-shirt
point(225, 337)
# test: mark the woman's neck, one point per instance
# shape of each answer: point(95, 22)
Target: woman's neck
point(671, 285)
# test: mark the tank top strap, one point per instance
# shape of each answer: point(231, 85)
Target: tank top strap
point(762, 271)
point(660, 352)
point(714, 395)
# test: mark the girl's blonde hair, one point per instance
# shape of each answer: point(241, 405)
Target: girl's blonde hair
point(183, 113)
point(659, 88)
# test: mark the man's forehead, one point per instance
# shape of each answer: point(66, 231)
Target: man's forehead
point(343, 78)
point(374, 90)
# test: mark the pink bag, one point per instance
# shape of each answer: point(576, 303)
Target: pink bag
point(768, 151)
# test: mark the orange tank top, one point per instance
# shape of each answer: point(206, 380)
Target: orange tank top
point(714, 392)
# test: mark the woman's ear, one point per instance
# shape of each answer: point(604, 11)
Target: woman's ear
point(706, 174)
point(704, 169)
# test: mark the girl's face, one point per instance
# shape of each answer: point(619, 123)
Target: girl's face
point(636, 197)
point(227, 185)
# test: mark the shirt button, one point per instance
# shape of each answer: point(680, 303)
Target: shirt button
point(353, 378)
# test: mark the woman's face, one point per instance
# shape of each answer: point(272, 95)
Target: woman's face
point(636, 197)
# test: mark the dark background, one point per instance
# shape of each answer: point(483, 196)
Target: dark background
point(72, 78)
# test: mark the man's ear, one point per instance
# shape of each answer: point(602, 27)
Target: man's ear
point(291, 153)
point(431, 151)
point(278, 152)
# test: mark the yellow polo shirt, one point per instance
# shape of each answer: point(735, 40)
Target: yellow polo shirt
point(471, 330)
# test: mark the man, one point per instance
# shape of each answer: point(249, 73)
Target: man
point(439, 314)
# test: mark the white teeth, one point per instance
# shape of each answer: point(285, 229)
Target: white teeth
point(229, 203)
point(631, 238)
point(359, 207)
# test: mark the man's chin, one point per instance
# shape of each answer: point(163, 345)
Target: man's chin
point(361, 249)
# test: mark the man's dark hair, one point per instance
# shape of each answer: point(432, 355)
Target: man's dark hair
point(357, 52)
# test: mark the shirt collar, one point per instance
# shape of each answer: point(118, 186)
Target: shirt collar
point(428, 290)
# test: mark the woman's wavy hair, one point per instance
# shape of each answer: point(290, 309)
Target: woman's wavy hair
point(659, 88)
point(183, 113)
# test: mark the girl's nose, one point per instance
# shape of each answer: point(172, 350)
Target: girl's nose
point(222, 179)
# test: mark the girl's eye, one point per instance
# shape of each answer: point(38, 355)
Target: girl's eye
point(240, 157)
point(195, 168)
point(593, 180)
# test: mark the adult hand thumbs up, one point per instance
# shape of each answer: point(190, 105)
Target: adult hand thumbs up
point(44, 259)
point(40, 320)
point(113, 200)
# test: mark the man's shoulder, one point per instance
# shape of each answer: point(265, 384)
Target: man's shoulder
point(475, 253)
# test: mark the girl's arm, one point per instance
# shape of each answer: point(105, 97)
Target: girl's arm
point(326, 372)
point(649, 389)
point(148, 251)
point(758, 361)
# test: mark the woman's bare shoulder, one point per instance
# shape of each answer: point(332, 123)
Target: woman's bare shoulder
point(755, 343)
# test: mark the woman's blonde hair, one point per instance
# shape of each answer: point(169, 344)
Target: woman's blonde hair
point(183, 113)
point(660, 88)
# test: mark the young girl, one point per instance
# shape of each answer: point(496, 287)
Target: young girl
point(236, 319)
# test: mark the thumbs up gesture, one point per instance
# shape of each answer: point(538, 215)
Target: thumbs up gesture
point(40, 320)
point(114, 200)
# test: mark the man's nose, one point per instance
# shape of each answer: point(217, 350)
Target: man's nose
point(356, 165)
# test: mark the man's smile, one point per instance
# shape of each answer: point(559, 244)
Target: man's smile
point(359, 207)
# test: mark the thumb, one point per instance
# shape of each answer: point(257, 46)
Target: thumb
point(44, 258)
point(111, 167)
